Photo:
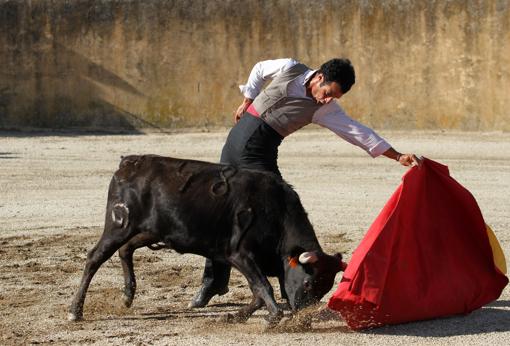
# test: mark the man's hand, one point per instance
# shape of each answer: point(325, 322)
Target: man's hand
point(241, 109)
point(404, 159)
point(409, 160)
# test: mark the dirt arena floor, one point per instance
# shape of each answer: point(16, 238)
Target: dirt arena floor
point(53, 191)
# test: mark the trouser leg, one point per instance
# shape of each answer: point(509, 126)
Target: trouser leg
point(216, 274)
point(214, 282)
point(250, 144)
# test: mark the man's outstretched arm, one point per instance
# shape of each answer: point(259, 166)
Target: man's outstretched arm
point(333, 117)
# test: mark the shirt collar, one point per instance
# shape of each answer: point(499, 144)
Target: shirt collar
point(308, 75)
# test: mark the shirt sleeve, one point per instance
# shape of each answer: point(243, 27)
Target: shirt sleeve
point(333, 117)
point(262, 72)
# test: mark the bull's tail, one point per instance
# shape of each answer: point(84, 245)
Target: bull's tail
point(120, 215)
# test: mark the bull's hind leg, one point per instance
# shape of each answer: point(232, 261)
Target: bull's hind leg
point(244, 313)
point(110, 242)
point(261, 288)
point(126, 259)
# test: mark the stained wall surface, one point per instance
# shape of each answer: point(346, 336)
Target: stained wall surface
point(131, 64)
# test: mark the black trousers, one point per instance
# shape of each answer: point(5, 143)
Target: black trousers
point(250, 144)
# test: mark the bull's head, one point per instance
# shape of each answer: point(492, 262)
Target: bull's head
point(309, 276)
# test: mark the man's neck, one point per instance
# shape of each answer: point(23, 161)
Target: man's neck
point(308, 84)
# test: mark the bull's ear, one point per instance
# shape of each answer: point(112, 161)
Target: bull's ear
point(308, 257)
point(293, 261)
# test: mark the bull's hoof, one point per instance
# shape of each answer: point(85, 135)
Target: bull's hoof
point(128, 301)
point(273, 320)
point(74, 317)
point(204, 295)
point(285, 306)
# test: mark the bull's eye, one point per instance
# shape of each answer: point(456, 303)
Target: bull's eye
point(307, 285)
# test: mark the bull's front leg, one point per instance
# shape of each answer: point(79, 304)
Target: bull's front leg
point(126, 259)
point(283, 293)
point(260, 286)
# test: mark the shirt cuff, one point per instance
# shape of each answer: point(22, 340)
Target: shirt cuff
point(248, 92)
point(379, 148)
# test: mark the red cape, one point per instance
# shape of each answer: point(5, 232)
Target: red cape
point(426, 255)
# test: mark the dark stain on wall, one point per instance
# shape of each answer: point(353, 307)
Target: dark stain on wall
point(98, 64)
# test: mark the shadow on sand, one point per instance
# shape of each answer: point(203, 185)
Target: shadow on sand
point(489, 319)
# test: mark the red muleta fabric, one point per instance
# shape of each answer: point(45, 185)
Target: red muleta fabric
point(426, 255)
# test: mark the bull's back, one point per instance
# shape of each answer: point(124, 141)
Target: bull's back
point(198, 206)
point(195, 202)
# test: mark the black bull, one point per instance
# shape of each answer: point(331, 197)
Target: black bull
point(249, 219)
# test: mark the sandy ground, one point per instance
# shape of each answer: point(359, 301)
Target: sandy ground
point(52, 197)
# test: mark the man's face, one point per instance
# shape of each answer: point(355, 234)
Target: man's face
point(324, 92)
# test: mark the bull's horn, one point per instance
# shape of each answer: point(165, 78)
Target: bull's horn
point(308, 257)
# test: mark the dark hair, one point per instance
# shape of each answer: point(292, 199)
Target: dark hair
point(340, 71)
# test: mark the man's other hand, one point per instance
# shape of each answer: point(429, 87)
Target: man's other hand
point(241, 109)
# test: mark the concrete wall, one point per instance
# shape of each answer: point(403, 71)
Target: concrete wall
point(130, 64)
